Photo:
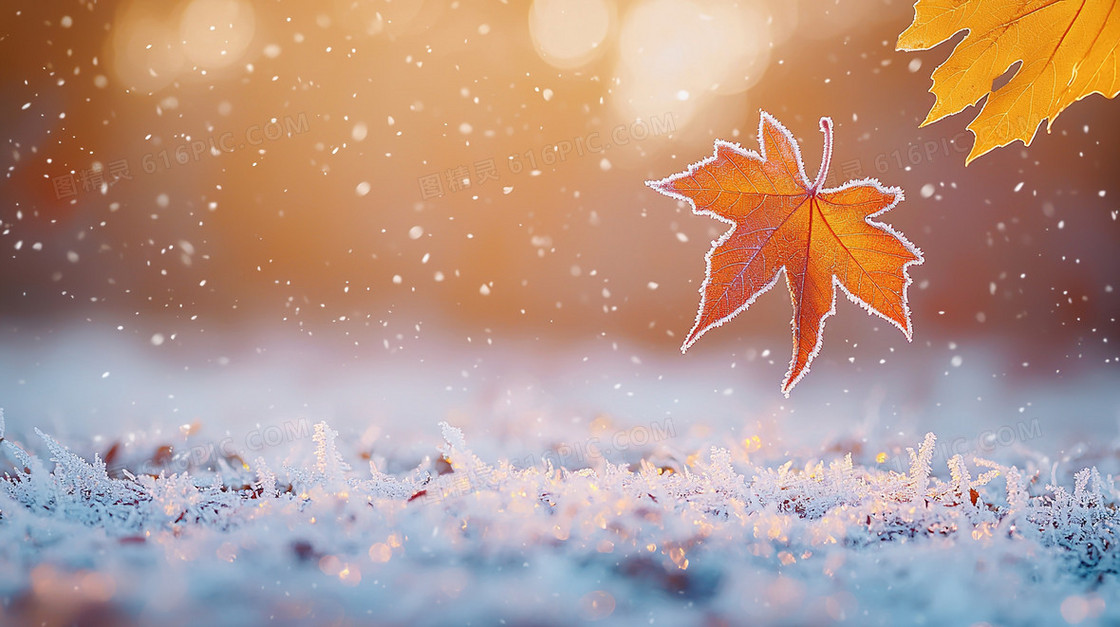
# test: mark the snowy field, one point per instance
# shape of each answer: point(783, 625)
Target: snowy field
point(605, 486)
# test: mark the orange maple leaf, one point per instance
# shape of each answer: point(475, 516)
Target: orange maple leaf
point(1069, 49)
point(780, 221)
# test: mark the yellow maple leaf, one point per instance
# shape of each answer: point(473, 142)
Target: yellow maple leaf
point(1068, 48)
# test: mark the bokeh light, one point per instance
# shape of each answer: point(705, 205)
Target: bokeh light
point(674, 56)
point(145, 51)
point(569, 33)
point(375, 17)
point(216, 33)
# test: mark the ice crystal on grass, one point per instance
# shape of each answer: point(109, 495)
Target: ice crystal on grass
point(182, 499)
point(920, 467)
point(330, 467)
point(1084, 523)
point(702, 531)
point(266, 479)
point(17, 454)
point(75, 490)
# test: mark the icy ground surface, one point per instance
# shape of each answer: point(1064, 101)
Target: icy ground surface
point(642, 494)
point(477, 541)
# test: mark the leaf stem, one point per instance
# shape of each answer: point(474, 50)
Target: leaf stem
point(826, 157)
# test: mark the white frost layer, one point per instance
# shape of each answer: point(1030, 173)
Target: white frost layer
point(717, 535)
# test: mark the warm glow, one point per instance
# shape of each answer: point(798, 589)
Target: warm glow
point(380, 552)
point(372, 17)
point(568, 33)
point(216, 33)
point(597, 605)
point(674, 55)
point(745, 39)
point(151, 46)
point(145, 52)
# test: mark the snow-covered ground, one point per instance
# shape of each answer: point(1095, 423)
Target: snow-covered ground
point(601, 484)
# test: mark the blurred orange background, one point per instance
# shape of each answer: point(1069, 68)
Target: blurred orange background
point(370, 173)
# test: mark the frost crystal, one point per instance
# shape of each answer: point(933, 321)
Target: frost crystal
point(330, 463)
point(706, 528)
point(920, 466)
